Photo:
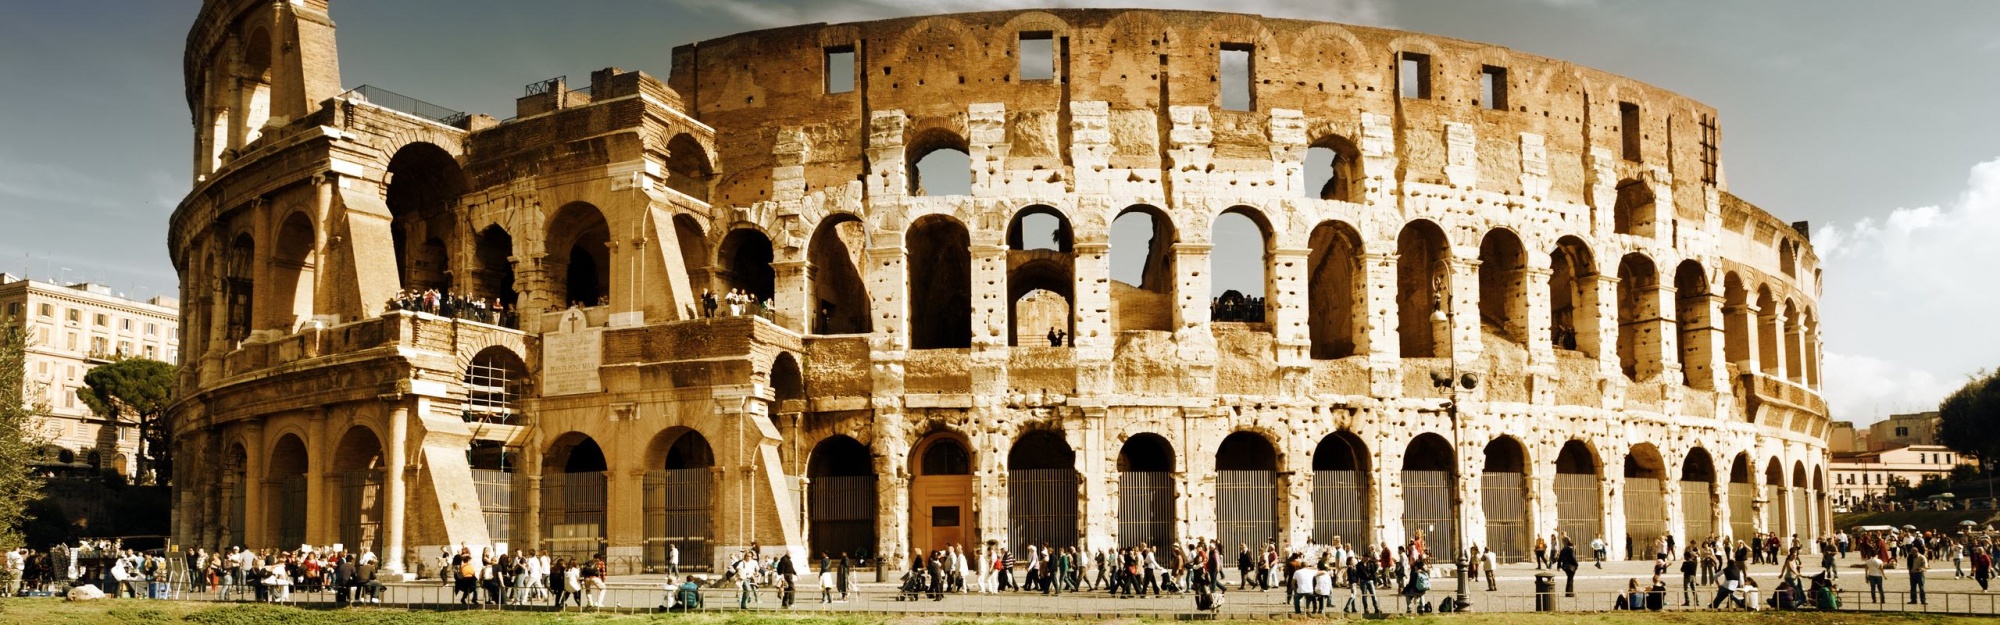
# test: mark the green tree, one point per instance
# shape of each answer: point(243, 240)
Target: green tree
point(19, 486)
point(1969, 419)
point(135, 390)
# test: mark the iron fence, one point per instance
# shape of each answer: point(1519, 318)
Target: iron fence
point(1505, 502)
point(496, 502)
point(1145, 508)
point(1340, 507)
point(360, 509)
point(1427, 509)
point(292, 511)
point(679, 503)
point(573, 514)
point(1041, 507)
point(1579, 507)
point(841, 514)
point(395, 101)
point(1246, 507)
point(1698, 510)
point(1645, 516)
point(1742, 522)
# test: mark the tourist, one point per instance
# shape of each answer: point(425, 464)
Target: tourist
point(1918, 565)
point(1688, 569)
point(1871, 570)
point(1566, 560)
point(1541, 553)
point(1492, 562)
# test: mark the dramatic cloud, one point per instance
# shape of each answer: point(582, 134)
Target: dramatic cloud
point(770, 13)
point(1914, 292)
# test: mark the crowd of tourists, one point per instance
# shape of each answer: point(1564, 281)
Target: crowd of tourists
point(735, 303)
point(488, 310)
point(523, 578)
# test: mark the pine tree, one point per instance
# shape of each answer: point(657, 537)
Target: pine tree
point(18, 484)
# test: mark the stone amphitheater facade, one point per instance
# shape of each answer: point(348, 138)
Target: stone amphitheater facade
point(1630, 350)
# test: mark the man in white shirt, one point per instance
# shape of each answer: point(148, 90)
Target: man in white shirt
point(1491, 563)
point(1302, 587)
point(674, 560)
point(746, 580)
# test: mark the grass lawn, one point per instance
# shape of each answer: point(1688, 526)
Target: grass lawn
point(50, 612)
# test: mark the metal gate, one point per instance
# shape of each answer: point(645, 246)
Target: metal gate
point(496, 503)
point(1801, 515)
point(292, 511)
point(1340, 508)
point(573, 514)
point(1041, 508)
point(1145, 508)
point(1504, 500)
point(1246, 508)
point(1645, 516)
point(842, 514)
point(238, 501)
point(1579, 507)
point(360, 509)
point(1774, 510)
point(1427, 508)
point(678, 508)
point(1742, 522)
point(1698, 509)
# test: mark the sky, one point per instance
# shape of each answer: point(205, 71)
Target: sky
point(1874, 121)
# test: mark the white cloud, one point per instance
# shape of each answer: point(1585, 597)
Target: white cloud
point(1909, 301)
point(772, 13)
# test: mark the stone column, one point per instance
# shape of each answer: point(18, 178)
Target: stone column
point(1677, 514)
point(255, 534)
point(319, 501)
point(1746, 341)
point(1464, 336)
point(1191, 286)
point(1701, 341)
point(1795, 369)
point(1376, 335)
point(395, 497)
point(794, 295)
point(1771, 340)
point(1092, 289)
point(1290, 306)
point(989, 295)
point(1540, 323)
point(1665, 338)
point(1597, 317)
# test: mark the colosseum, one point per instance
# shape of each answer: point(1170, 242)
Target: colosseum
point(725, 308)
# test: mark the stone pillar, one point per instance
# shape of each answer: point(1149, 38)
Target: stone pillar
point(1770, 336)
point(1597, 317)
point(1099, 506)
point(1541, 320)
point(1701, 341)
point(1795, 369)
point(1376, 335)
point(1614, 514)
point(319, 501)
point(529, 517)
point(793, 298)
point(888, 286)
point(1677, 514)
point(1464, 336)
point(989, 296)
point(395, 496)
point(1093, 294)
point(1745, 342)
point(1649, 328)
point(1290, 306)
point(892, 487)
point(1191, 286)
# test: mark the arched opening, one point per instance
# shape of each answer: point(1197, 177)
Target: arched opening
point(240, 285)
point(1819, 506)
point(359, 463)
point(840, 296)
point(1645, 502)
point(292, 271)
point(494, 277)
point(1333, 286)
point(493, 478)
point(1775, 520)
point(941, 511)
point(1573, 296)
point(1504, 498)
point(579, 256)
point(1693, 324)
point(1788, 257)
point(1794, 328)
point(1429, 470)
point(1769, 333)
point(425, 184)
point(1340, 490)
point(235, 495)
point(680, 500)
point(1736, 324)
point(495, 382)
point(1579, 494)
point(1041, 278)
point(1809, 340)
point(1246, 491)
point(255, 85)
point(573, 490)
point(1634, 214)
point(1503, 285)
point(939, 164)
point(1239, 263)
point(743, 264)
point(1145, 491)
point(1742, 492)
point(1698, 496)
point(1638, 317)
point(1421, 270)
point(1142, 270)
point(688, 169)
point(940, 269)
point(1042, 487)
point(1333, 170)
point(841, 498)
point(694, 257)
point(286, 490)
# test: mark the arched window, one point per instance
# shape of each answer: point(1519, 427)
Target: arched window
point(1421, 252)
point(1634, 214)
point(1692, 323)
point(1040, 278)
point(1638, 306)
point(939, 164)
point(495, 382)
point(495, 275)
point(425, 184)
point(688, 169)
point(940, 270)
point(256, 84)
point(292, 269)
point(240, 285)
point(1332, 287)
point(840, 296)
point(579, 255)
point(1142, 270)
point(743, 261)
point(1503, 285)
point(1333, 170)
point(1239, 266)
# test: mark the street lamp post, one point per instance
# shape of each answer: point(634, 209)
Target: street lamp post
point(1452, 381)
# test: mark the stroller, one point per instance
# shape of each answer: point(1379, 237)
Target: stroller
point(914, 586)
point(1205, 597)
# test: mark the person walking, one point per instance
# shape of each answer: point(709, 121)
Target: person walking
point(1919, 563)
point(1566, 560)
point(1541, 553)
point(1982, 566)
point(746, 580)
point(1871, 570)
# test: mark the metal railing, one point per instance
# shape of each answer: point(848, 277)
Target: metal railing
point(398, 102)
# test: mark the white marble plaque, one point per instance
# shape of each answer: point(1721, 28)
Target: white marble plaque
point(570, 358)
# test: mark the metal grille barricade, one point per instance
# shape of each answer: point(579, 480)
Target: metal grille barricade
point(1145, 508)
point(1041, 507)
point(1774, 509)
point(496, 503)
point(1340, 508)
point(842, 514)
point(1742, 520)
point(292, 511)
point(1645, 516)
point(1505, 502)
point(1698, 510)
point(1579, 507)
point(1245, 508)
point(679, 503)
point(1427, 509)
point(573, 514)
point(360, 509)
